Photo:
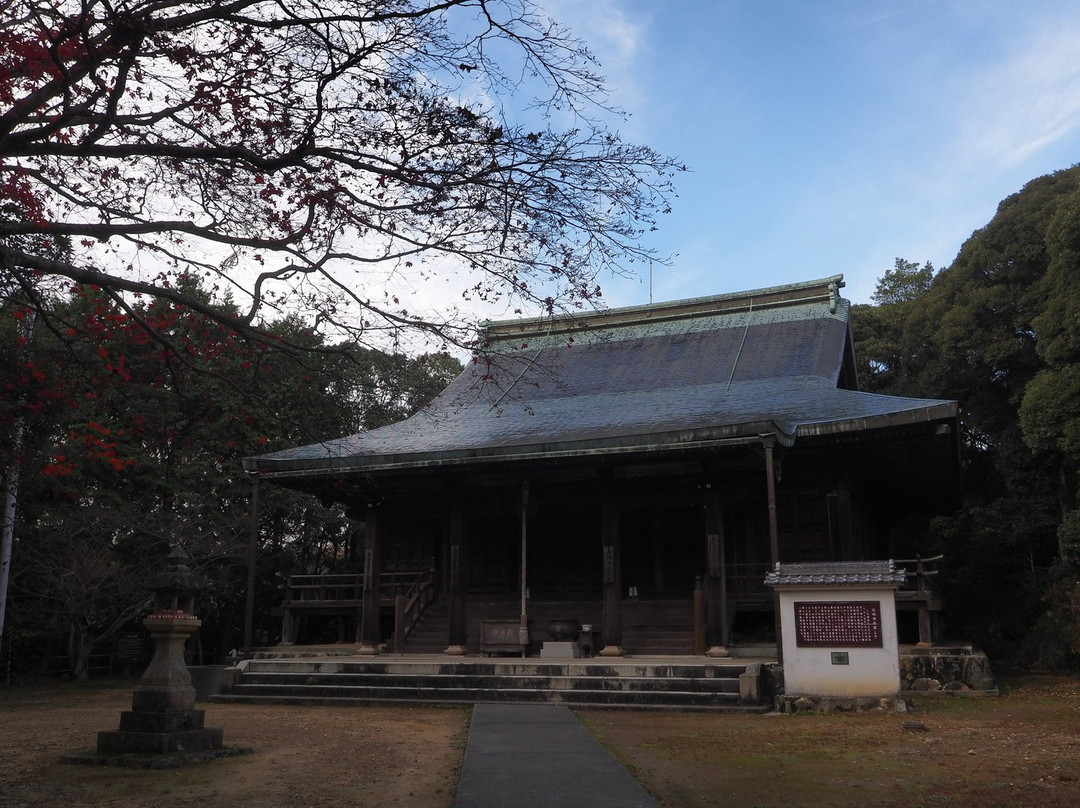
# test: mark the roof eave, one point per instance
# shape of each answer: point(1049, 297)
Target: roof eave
point(650, 443)
point(682, 440)
point(943, 411)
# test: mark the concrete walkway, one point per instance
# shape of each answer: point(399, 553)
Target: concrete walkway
point(540, 756)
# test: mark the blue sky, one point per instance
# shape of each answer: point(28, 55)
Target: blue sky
point(831, 136)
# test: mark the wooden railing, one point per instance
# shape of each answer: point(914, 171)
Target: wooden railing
point(408, 591)
point(920, 581)
point(324, 590)
point(921, 590)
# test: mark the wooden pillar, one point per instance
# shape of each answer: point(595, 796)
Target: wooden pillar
point(369, 616)
point(288, 627)
point(769, 442)
point(716, 579)
point(456, 578)
point(926, 631)
point(770, 486)
point(523, 624)
point(609, 540)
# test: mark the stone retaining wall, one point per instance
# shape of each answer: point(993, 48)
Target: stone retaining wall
point(952, 669)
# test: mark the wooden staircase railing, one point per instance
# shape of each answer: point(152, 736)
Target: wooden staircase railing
point(410, 603)
point(342, 595)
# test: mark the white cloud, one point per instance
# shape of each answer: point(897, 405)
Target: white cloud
point(1027, 102)
point(611, 35)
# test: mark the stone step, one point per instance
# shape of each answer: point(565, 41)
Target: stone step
point(521, 682)
point(633, 683)
point(471, 695)
point(509, 667)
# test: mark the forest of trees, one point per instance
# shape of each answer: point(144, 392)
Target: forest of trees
point(131, 427)
point(999, 331)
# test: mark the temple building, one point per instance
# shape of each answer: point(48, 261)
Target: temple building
point(608, 464)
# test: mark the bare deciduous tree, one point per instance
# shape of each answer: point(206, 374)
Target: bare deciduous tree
point(305, 154)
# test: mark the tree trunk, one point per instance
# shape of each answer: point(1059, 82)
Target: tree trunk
point(79, 645)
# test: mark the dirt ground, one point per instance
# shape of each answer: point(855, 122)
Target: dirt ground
point(355, 756)
point(1020, 749)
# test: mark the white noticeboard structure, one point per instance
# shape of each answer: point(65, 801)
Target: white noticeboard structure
point(838, 629)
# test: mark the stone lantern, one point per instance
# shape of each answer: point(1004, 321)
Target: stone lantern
point(163, 719)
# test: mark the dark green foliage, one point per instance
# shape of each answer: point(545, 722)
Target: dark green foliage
point(999, 331)
point(880, 357)
point(1055, 639)
point(904, 284)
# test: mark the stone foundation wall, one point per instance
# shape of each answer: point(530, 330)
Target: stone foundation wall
point(832, 704)
point(955, 669)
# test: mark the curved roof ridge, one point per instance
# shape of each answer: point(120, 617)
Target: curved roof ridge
point(806, 299)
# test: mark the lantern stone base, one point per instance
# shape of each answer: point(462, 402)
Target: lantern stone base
point(134, 722)
point(166, 742)
point(140, 760)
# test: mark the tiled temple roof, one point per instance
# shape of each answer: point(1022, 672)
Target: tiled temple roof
point(643, 379)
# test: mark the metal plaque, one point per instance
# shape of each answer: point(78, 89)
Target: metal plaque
point(131, 647)
point(843, 624)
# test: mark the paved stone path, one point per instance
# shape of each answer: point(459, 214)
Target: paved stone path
point(540, 756)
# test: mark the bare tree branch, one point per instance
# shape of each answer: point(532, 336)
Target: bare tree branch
point(304, 151)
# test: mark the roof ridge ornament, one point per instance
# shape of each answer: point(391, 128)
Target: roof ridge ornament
point(835, 286)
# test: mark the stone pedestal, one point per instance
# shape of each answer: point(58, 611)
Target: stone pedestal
point(163, 719)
